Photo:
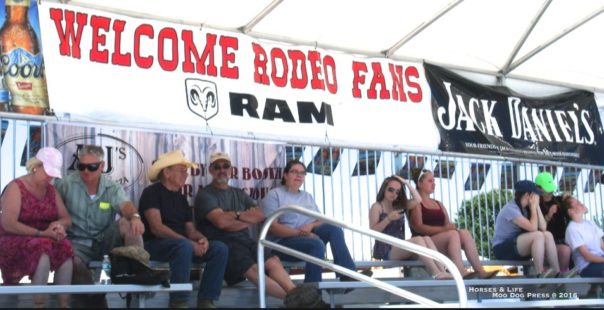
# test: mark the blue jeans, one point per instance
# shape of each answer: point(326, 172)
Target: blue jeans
point(328, 234)
point(179, 253)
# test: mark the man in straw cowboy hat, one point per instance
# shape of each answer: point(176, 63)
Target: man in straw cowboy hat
point(93, 200)
point(224, 213)
point(171, 236)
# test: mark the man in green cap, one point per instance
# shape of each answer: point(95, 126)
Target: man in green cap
point(556, 219)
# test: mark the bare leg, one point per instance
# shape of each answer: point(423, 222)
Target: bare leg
point(126, 234)
point(448, 242)
point(400, 254)
point(551, 253)
point(430, 245)
point(63, 277)
point(469, 247)
point(41, 278)
point(564, 253)
point(533, 244)
point(81, 274)
point(272, 288)
point(275, 271)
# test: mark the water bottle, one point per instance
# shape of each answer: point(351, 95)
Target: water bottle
point(105, 270)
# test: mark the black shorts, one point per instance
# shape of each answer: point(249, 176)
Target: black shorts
point(508, 250)
point(243, 254)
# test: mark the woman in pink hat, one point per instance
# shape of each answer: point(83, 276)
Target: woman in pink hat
point(33, 227)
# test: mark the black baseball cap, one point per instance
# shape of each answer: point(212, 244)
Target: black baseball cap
point(526, 186)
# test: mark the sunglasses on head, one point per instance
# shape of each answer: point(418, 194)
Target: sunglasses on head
point(421, 174)
point(393, 190)
point(91, 167)
point(224, 166)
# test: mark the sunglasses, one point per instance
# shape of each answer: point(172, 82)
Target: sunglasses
point(224, 166)
point(393, 190)
point(91, 167)
point(297, 173)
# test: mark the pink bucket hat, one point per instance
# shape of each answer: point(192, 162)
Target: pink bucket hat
point(52, 161)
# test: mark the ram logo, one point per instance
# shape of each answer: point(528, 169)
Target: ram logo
point(202, 98)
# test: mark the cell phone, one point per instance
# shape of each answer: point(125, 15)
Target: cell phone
point(402, 211)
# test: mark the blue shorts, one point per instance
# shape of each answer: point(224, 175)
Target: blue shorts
point(508, 250)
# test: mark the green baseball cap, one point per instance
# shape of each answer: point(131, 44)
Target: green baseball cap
point(546, 181)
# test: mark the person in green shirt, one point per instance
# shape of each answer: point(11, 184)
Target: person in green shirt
point(93, 202)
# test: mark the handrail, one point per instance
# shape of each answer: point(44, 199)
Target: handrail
point(405, 245)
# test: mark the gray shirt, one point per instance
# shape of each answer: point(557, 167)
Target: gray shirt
point(279, 197)
point(230, 199)
point(505, 229)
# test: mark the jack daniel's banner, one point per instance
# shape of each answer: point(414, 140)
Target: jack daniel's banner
point(478, 119)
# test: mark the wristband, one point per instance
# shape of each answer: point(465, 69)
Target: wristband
point(38, 233)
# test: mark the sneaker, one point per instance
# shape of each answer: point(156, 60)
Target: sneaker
point(365, 272)
point(550, 273)
point(304, 296)
point(179, 304)
point(205, 304)
point(568, 274)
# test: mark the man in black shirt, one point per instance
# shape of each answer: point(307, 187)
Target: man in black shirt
point(171, 236)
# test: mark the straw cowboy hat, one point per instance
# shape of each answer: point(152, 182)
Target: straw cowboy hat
point(134, 252)
point(175, 157)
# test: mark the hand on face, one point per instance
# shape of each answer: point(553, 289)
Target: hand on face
point(533, 200)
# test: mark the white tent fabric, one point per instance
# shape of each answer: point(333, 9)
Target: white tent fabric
point(555, 42)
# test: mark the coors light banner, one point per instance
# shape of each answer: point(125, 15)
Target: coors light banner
point(478, 119)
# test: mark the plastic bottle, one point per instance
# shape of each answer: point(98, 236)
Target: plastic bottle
point(105, 270)
point(22, 62)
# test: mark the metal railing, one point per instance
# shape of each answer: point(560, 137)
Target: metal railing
point(402, 244)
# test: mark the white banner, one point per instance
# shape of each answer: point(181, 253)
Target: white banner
point(118, 69)
point(129, 154)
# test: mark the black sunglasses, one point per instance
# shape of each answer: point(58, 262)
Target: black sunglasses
point(91, 167)
point(393, 190)
point(224, 166)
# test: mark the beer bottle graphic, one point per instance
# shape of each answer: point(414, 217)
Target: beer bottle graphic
point(21, 59)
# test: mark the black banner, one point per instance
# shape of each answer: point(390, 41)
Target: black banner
point(479, 119)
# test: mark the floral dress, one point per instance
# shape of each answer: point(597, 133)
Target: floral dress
point(395, 229)
point(19, 255)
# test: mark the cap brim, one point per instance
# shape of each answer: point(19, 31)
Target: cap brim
point(53, 172)
point(549, 188)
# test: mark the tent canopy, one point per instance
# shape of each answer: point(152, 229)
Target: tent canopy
point(557, 42)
